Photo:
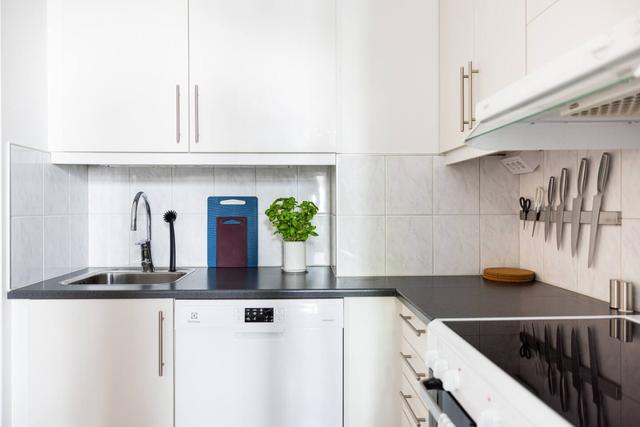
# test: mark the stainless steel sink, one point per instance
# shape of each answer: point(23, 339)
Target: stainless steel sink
point(127, 277)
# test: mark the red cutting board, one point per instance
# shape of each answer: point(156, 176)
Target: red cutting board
point(231, 241)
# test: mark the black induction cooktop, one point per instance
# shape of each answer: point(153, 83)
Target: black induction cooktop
point(587, 370)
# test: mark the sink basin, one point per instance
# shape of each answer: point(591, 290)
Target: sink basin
point(124, 277)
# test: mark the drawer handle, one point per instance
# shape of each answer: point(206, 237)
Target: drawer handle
point(160, 343)
point(417, 374)
point(417, 331)
point(416, 420)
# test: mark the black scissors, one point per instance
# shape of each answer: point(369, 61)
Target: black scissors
point(525, 205)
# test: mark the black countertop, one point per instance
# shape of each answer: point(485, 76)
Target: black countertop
point(432, 296)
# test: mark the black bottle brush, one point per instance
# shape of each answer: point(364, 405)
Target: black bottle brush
point(170, 217)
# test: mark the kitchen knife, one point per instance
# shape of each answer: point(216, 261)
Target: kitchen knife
point(564, 179)
point(551, 195)
point(562, 383)
point(593, 361)
point(551, 379)
point(583, 174)
point(603, 174)
point(581, 406)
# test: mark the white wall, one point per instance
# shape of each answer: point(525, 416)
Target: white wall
point(412, 215)
point(618, 247)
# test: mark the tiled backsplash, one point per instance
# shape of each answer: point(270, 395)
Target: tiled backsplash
point(618, 249)
point(413, 215)
point(185, 190)
point(48, 217)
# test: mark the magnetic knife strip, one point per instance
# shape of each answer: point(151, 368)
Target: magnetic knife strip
point(606, 217)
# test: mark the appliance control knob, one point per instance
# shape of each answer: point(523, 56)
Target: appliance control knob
point(489, 418)
point(439, 367)
point(451, 380)
point(430, 357)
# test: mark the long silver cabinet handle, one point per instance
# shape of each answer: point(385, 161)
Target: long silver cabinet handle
point(160, 343)
point(417, 420)
point(472, 71)
point(417, 331)
point(462, 120)
point(197, 113)
point(178, 114)
point(416, 374)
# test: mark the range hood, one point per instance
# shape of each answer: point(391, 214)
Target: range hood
point(587, 99)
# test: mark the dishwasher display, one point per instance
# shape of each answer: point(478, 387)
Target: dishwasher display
point(268, 363)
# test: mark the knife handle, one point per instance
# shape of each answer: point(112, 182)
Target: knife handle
point(563, 185)
point(603, 171)
point(583, 174)
point(551, 191)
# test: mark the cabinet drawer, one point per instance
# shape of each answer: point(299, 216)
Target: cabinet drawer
point(413, 330)
point(412, 405)
point(411, 363)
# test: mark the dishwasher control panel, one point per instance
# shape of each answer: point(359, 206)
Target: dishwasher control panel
point(258, 315)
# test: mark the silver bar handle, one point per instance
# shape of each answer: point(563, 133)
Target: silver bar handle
point(462, 120)
point(178, 114)
point(417, 331)
point(416, 420)
point(472, 71)
point(160, 343)
point(418, 375)
point(197, 113)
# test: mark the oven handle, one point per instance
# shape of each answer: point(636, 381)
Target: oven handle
point(441, 418)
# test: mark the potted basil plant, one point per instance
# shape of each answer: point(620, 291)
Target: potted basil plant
point(292, 221)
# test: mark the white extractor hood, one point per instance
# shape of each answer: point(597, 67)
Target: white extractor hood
point(588, 98)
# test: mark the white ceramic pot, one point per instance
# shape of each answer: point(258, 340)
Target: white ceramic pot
point(294, 257)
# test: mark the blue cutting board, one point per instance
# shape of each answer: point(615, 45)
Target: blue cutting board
point(233, 206)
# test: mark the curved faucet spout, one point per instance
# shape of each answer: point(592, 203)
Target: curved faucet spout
point(145, 245)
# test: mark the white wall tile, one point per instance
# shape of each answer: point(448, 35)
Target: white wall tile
point(56, 246)
point(409, 245)
point(319, 247)
point(630, 267)
point(159, 240)
point(613, 190)
point(27, 236)
point(191, 240)
point(594, 280)
point(456, 244)
point(630, 172)
point(559, 267)
point(27, 174)
point(361, 245)
point(499, 188)
point(269, 244)
point(499, 241)
point(78, 241)
point(531, 249)
point(156, 183)
point(109, 240)
point(554, 161)
point(56, 189)
point(456, 188)
point(409, 185)
point(109, 190)
point(78, 189)
point(360, 187)
point(235, 181)
point(191, 186)
point(273, 183)
point(314, 184)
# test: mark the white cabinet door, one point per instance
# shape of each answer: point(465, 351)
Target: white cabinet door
point(265, 74)
point(114, 68)
point(388, 80)
point(456, 50)
point(96, 363)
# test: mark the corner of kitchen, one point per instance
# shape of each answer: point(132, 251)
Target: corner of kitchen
point(318, 213)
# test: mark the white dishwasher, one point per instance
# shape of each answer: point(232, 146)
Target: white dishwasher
point(268, 363)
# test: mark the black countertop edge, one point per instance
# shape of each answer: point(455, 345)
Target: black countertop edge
point(429, 296)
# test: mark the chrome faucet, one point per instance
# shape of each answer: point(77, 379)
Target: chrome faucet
point(145, 245)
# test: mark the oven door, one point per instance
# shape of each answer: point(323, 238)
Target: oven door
point(442, 406)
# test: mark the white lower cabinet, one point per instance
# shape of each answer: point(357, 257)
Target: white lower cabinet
point(80, 363)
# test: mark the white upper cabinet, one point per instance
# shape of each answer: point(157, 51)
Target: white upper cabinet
point(114, 72)
point(489, 36)
point(265, 75)
point(388, 76)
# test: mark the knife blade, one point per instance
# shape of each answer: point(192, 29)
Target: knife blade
point(564, 179)
point(593, 361)
point(603, 174)
point(551, 379)
point(581, 405)
point(583, 174)
point(562, 382)
point(551, 195)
